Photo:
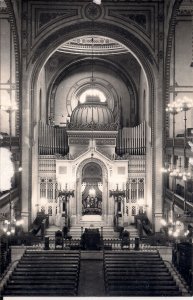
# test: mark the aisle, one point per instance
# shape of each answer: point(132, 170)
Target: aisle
point(91, 280)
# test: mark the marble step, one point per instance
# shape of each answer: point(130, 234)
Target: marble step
point(108, 232)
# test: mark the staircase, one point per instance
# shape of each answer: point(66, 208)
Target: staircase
point(108, 231)
point(137, 274)
point(45, 273)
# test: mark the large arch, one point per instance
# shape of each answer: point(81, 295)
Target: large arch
point(63, 71)
point(105, 207)
point(31, 70)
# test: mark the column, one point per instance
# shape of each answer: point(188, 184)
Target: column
point(26, 158)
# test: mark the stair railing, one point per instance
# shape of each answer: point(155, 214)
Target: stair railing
point(182, 284)
point(5, 277)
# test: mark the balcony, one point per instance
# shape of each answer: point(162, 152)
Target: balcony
point(179, 146)
point(179, 200)
point(5, 197)
point(5, 142)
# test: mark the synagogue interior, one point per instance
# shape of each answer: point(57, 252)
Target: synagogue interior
point(96, 148)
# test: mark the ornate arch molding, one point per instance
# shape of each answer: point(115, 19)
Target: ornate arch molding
point(55, 39)
point(60, 75)
point(170, 38)
point(64, 71)
point(92, 160)
point(51, 43)
point(14, 30)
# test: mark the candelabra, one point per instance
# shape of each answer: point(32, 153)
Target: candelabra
point(117, 193)
point(10, 224)
point(173, 109)
point(65, 194)
point(174, 228)
point(184, 105)
point(9, 109)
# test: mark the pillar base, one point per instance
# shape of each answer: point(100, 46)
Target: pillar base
point(26, 220)
point(157, 222)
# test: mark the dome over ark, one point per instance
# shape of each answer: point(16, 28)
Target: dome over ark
point(92, 115)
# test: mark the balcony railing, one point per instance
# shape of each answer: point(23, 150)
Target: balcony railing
point(179, 200)
point(179, 142)
point(5, 141)
point(5, 198)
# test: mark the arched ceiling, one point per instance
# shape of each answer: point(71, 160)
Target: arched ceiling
point(94, 53)
point(92, 44)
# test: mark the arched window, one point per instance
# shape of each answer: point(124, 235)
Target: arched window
point(92, 93)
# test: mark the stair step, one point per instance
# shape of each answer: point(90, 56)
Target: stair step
point(49, 286)
point(43, 281)
point(39, 292)
point(45, 273)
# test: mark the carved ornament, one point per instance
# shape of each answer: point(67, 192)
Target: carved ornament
point(46, 16)
point(93, 11)
point(92, 126)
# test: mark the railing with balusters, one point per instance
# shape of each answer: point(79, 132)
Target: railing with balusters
point(38, 242)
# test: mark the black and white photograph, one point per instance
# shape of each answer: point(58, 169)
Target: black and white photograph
point(96, 149)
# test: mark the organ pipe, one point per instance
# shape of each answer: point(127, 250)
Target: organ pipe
point(132, 140)
point(52, 140)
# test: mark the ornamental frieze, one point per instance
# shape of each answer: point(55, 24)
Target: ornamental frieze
point(105, 142)
point(91, 135)
point(79, 141)
point(92, 126)
point(140, 19)
point(43, 19)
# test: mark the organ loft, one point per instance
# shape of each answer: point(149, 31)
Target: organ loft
point(96, 135)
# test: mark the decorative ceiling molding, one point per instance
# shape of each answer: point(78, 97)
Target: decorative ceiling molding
point(93, 11)
point(139, 18)
point(92, 44)
point(40, 19)
point(45, 16)
point(185, 11)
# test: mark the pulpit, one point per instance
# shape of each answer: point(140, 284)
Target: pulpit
point(91, 240)
point(59, 241)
